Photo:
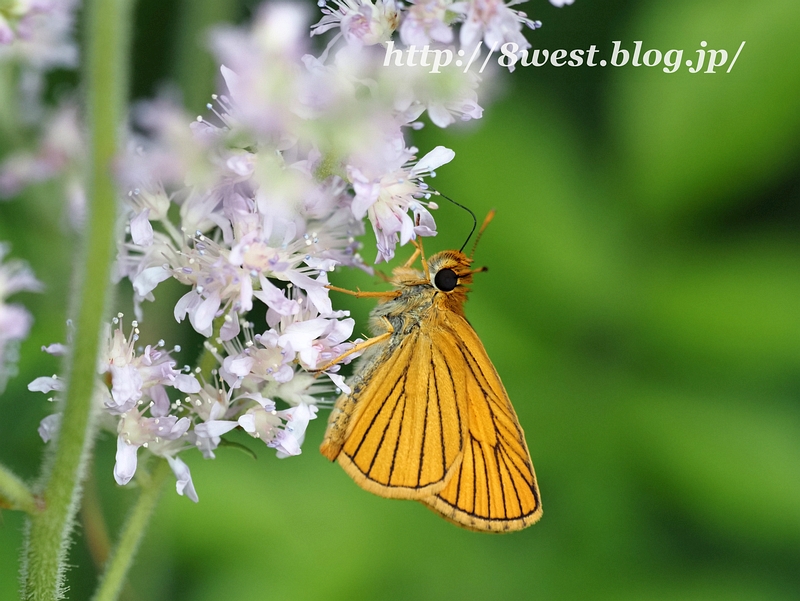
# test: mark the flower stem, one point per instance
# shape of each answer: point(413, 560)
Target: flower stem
point(15, 494)
point(45, 553)
point(95, 531)
point(207, 361)
point(132, 533)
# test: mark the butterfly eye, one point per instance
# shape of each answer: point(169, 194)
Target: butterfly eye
point(445, 280)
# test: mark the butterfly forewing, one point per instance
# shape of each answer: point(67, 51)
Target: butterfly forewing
point(494, 487)
point(405, 435)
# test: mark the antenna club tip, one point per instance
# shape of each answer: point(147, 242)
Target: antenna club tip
point(486, 221)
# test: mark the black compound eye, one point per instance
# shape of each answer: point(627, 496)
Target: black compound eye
point(445, 280)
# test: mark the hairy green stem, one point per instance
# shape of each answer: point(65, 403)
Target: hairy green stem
point(15, 494)
point(132, 533)
point(45, 553)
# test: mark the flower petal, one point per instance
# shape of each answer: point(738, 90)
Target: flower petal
point(339, 382)
point(49, 426)
point(146, 281)
point(202, 318)
point(141, 229)
point(187, 383)
point(184, 485)
point(215, 428)
point(45, 384)
point(125, 467)
point(437, 157)
point(230, 328)
point(55, 349)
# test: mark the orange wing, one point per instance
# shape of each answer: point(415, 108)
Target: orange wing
point(493, 486)
point(406, 433)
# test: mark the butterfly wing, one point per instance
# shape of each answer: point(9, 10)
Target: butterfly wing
point(493, 487)
point(405, 436)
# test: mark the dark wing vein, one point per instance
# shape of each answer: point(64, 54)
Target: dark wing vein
point(404, 400)
point(431, 379)
point(378, 414)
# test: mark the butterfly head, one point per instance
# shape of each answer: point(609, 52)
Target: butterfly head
point(449, 270)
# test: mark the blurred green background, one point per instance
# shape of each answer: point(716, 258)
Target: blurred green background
point(642, 306)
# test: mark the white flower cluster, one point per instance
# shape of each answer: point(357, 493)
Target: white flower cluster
point(137, 405)
point(428, 22)
point(15, 321)
point(259, 201)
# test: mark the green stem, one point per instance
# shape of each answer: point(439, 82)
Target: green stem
point(95, 531)
point(15, 494)
point(45, 553)
point(132, 533)
point(208, 361)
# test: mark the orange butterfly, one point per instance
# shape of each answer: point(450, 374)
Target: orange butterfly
point(428, 418)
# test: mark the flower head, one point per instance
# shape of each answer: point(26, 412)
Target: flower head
point(493, 21)
point(362, 22)
point(426, 22)
point(151, 405)
point(386, 192)
point(255, 203)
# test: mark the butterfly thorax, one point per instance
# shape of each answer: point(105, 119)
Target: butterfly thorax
point(419, 297)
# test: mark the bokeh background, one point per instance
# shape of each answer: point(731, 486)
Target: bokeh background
point(642, 306)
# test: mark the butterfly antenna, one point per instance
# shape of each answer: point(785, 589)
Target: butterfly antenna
point(467, 209)
point(486, 221)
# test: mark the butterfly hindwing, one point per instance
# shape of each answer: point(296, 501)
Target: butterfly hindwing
point(494, 487)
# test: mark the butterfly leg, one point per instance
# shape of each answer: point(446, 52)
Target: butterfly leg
point(357, 348)
point(420, 253)
point(360, 294)
point(413, 257)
